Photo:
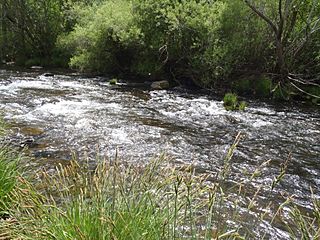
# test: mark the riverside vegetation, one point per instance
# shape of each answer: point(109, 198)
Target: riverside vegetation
point(113, 200)
point(263, 48)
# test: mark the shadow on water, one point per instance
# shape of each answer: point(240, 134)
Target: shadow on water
point(67, 113)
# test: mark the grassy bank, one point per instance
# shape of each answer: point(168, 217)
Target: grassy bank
point(115, 200)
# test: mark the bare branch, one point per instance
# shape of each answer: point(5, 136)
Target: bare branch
point(301, 90)
point(263, 16)
point(301, 81)
point(281, 21)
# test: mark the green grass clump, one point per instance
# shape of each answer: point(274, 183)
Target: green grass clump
point(231, 103)
point(113, 81)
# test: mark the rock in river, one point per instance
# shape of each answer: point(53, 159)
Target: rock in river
point(160, 85)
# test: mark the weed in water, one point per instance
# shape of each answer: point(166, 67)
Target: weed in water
point(231, 103)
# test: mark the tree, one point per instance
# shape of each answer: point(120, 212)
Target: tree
point(293, 24)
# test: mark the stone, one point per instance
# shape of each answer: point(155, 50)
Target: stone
point(48, 74)
point(36, 67)
point(160, 85)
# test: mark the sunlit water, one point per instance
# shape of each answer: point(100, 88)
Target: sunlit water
point(68, 114)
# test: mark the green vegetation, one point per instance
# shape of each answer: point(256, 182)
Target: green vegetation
point(113, 81)
point(231, 103)
point(109, 200)
point(8, 174)
point(203, 43)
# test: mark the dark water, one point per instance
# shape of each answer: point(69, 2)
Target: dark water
point(58, 115)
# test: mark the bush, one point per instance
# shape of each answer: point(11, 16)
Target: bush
point(179, 33)
point(263, 86)
point(30, 29)
point(147, 38)
point(105, 37)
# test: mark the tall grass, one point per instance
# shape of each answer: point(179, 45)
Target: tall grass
point(113, 200)
point(8, 173)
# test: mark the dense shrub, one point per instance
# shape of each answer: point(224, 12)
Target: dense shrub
point(179, 34)
point(147, 38)
point(105, 37)
point(29, 29)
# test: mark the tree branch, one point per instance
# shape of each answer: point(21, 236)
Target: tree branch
point(263, 16)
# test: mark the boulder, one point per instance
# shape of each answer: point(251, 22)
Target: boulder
point(160, 85)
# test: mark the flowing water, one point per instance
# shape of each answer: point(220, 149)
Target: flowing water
point(67, 114)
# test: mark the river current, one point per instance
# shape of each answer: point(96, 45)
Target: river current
point(68, 114)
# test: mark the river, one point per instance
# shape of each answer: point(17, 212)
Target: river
point(68, 114)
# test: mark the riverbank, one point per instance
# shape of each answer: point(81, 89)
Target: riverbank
point(246, 86)
point(158, 200)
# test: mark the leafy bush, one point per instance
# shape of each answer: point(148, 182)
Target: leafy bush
point(104, 38)
point(30, 29)
point(178, 33)
point(146, 37)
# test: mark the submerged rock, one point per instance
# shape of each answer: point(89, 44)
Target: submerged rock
point(48, 74)
point(36, 67)
point(160, 85)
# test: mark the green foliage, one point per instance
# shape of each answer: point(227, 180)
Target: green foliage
point(8, 180)
point(8, 174)
point(313, 94)
point(280, 92)
point(196, 42)
point(180, 35)
point(242, 85)
point(255, 85)
point(104, 37)
point(32, 27)
point(263, 86)
point(118, 202)
point(231, 103)
point(244, 40)
point(242, 106)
